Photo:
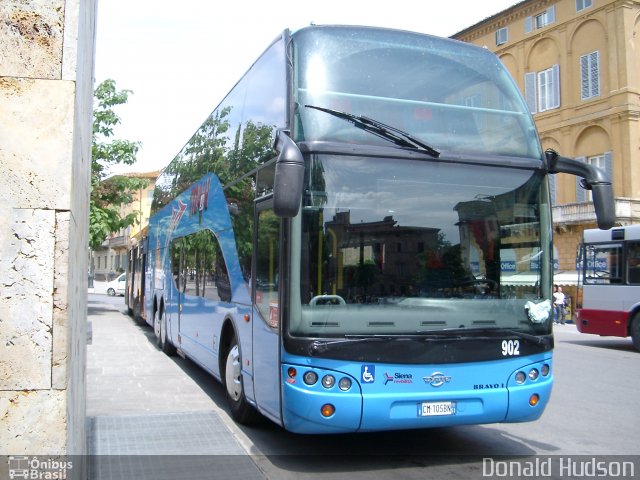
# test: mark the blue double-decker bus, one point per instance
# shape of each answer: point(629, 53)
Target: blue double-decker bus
point(359, 238)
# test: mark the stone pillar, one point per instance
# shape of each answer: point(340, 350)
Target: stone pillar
point(46, 95)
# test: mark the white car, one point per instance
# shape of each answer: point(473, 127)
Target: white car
point(116, 287)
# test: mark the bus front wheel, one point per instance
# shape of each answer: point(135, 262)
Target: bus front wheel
point(241, 411)
point(635, 331)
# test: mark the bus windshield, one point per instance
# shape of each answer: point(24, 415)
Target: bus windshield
point(391, 246)
point(452, 96)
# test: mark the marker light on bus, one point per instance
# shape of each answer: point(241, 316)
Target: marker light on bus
point(328, 381)
point(533, 374)
point(344, 384)
point(292, 372)
point(327, 410)
point(310, 378)
point(534, 399)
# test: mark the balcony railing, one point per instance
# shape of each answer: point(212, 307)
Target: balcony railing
point(119, 241)
point(627, 212)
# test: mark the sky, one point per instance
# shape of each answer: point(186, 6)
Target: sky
point(181, 57)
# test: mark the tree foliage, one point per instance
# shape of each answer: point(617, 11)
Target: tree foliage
point(109, 194)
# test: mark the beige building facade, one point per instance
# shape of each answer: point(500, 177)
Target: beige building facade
point(577, 62)
point(46, 95)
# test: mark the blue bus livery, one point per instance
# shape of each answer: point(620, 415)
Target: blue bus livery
point(359, 238)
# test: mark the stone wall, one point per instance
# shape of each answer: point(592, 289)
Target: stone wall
point(46, 94)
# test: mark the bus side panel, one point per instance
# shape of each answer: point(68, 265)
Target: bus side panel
point(602, 322)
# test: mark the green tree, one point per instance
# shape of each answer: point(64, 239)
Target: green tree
point(109, 194)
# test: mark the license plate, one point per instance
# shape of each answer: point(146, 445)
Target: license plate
point(431, 409)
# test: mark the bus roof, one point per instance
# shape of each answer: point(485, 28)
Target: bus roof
point(595, 235)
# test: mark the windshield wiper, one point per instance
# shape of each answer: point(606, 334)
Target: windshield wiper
point(381, 130)
point(321, 346)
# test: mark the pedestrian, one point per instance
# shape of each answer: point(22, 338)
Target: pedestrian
point(558, 305)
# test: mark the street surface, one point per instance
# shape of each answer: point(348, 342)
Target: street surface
point(593, 411)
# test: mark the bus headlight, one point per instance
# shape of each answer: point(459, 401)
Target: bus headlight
point(344, 384)
point(328, 381)
point(520, 378)
point(533, 374)
point(545, 370)
point(310, 378)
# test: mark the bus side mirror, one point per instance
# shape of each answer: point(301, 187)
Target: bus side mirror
point(604, 204)
point(289, 177)
point(594, 179)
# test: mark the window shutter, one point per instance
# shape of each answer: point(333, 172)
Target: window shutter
point(528, 24)
point(590, 75)
point(594, 73)
point(584, 77)
point(608, 165)
point(551, 14)
point(581, 193)
point(530, 91)
point(555, 102)
point(552, 188)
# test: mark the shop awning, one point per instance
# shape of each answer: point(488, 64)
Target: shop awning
point(569, 277)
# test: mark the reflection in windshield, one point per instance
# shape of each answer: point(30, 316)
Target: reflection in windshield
point(435, 245)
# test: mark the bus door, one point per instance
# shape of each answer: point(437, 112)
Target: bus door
point(266, 314)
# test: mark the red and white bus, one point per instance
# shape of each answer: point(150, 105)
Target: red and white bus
point(609, 262)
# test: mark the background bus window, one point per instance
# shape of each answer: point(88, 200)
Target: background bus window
point(603, 264)
point(633, 263)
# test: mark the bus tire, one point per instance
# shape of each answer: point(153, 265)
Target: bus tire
point(163, 341)
point(634, 330)
point(241, 411)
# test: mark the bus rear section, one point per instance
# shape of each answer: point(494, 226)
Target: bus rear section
point(609, 262)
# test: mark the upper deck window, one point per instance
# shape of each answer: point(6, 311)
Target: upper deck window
point(453, 96)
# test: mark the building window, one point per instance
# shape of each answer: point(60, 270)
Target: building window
point(602, 161)
point(501, 36)
point(541, 20)
point(590, 75)
point(548, 89)
point(596, 161)
point(582, 4)
point(542, 89)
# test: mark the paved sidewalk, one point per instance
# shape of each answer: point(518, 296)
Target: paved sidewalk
point(148, 415)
